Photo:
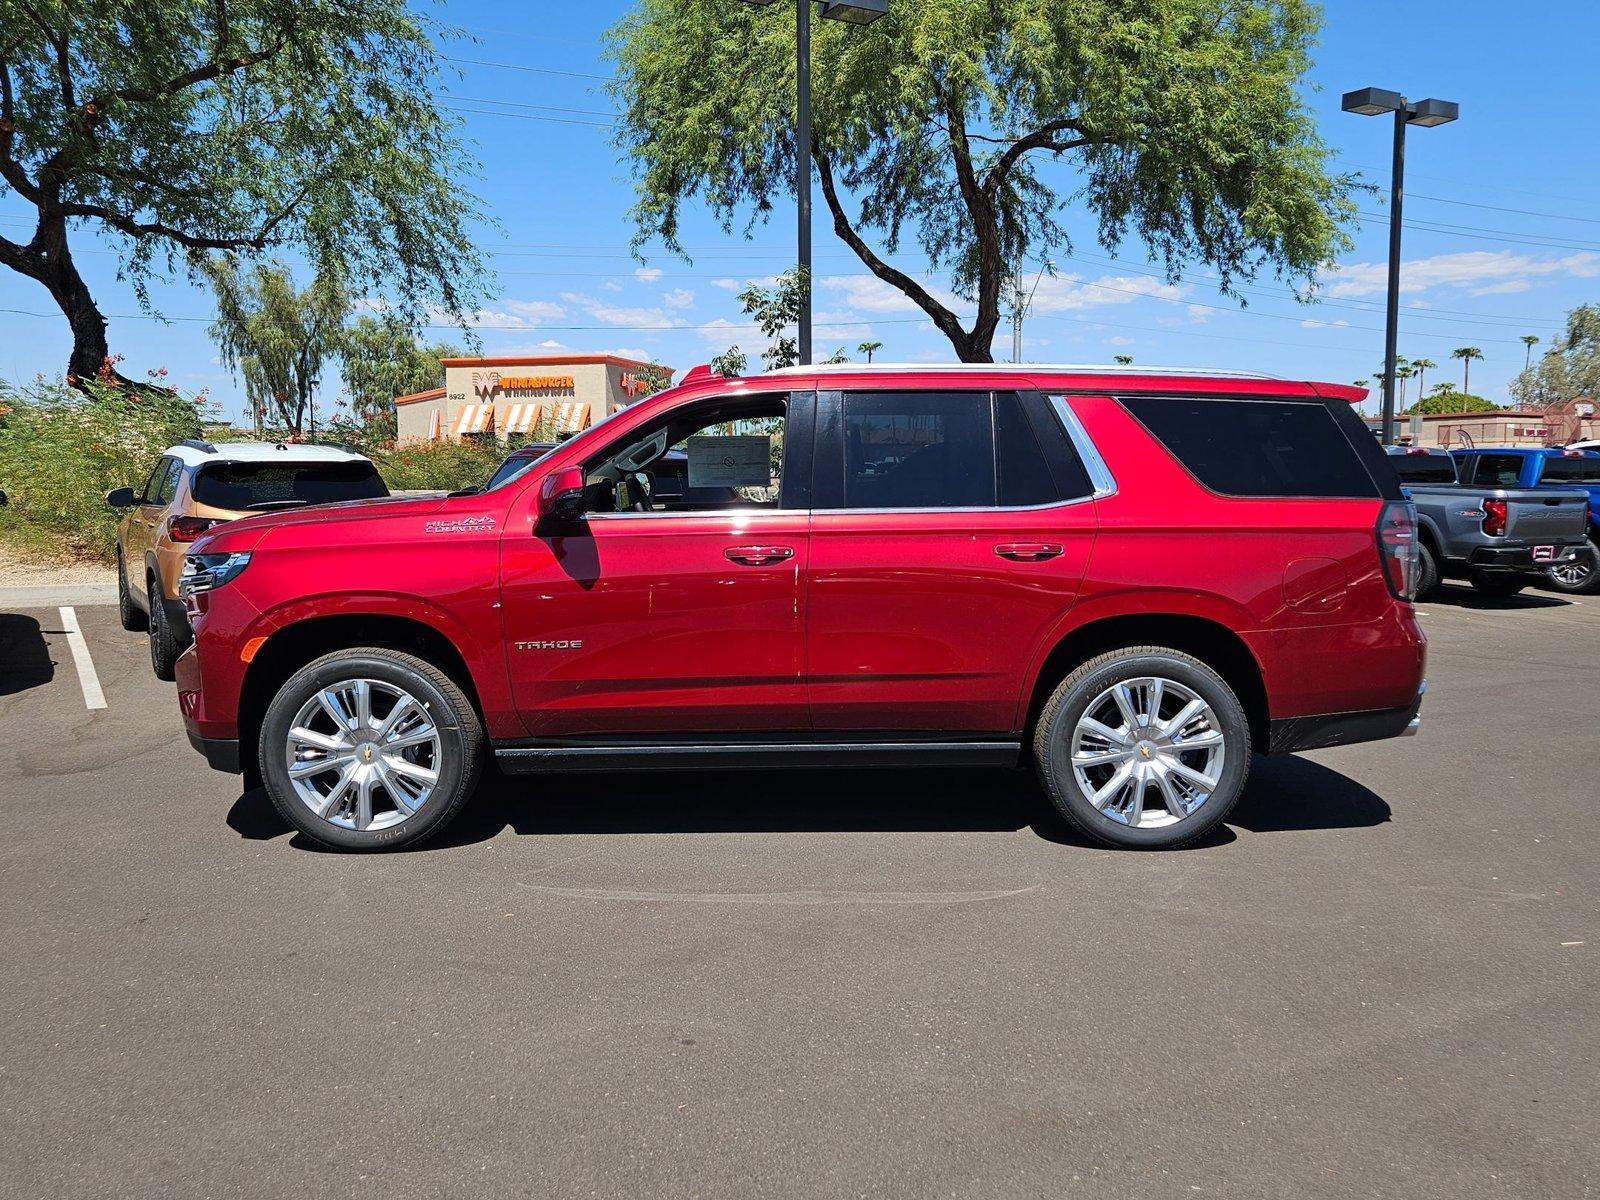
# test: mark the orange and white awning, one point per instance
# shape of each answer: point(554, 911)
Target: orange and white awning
point(520, 418)
point(571, 416)
point(474, 418)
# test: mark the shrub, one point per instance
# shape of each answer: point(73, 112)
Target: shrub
point(62, 449)
point(437, 466)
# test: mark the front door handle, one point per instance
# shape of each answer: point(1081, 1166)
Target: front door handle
point(758, 556)
point(1028, 551)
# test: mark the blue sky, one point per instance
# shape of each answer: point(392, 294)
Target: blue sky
point(1502, 233)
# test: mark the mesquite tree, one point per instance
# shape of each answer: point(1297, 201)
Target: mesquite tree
point(1180, 122)
point(179, 127)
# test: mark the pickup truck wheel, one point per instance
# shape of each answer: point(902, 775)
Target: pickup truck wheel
point(1143, 748)
point(1580, 578)
point(129, 613)
point(370, 749)
point(1496, 583)
point(1427, 572)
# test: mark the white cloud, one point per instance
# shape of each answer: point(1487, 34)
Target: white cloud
point(868, 293)
point(1072, 293)
point(512, 314)
point(552, 344)
point(1468, 269)
point(647, 274)
point(728, 285)
point(722, 333)
point(1199, 314)
point(1313, 323)
point(611, 285)
point(1119, 340)
point(678, 298)
point(613, 314)
point(1504, 288)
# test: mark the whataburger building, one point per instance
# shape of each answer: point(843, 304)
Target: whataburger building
point(548, 394)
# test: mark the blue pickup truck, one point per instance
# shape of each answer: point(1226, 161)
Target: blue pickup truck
point(1545, 468)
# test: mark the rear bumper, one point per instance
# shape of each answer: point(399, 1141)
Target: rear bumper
point(1520, 558)
point(1293, 734)
point(221, 754)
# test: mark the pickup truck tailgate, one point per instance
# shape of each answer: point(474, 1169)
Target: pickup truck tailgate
point(1551, 518)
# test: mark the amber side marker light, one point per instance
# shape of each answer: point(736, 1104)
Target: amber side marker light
point(250, 648)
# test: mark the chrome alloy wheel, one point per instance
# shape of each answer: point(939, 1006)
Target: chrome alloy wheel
point(1577, 572)
point(1148, 752)
point(363, 754)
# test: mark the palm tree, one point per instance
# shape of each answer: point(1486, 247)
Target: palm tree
point(1423, 366)
point(868, 347)
point(1466, 354)
point(1402, 372)
point(1123, 360)
point(1529, 340)
point(1362, 382)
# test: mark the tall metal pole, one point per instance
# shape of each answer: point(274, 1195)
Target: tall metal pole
point(802, 166)
point(1391, 332)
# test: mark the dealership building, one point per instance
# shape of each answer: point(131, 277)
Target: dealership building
point(523, 396)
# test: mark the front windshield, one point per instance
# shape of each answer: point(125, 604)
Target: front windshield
point(515, 468)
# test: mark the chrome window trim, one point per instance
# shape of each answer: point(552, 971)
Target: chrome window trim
point(1100, 476)
point(740, 513)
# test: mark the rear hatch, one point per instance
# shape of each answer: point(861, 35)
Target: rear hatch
point(1545, 516)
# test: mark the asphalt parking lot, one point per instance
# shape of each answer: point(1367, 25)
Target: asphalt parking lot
point(1379, 980)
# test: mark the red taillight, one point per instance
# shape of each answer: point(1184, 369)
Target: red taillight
point(1398, 548)
point(1494, 518)
point(187, 529)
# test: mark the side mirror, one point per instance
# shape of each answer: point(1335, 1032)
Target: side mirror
point(561, 494)
point(121, 497)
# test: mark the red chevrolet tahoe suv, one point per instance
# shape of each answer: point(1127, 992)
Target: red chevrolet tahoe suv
point(1132, 579)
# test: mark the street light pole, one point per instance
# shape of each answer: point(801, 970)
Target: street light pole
point(850, 12)
point(1370, 102)
point(802, 166)
point(1391, 320)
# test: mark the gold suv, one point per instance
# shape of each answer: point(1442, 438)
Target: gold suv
point(197, 485)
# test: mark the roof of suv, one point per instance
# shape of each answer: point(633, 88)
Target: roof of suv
point(197, 453)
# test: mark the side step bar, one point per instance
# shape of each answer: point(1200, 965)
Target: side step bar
point(526, 758)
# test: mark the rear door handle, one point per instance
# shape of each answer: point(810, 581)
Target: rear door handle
point(1028, 551)
point(758, 556)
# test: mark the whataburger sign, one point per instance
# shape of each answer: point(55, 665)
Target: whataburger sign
point(486, 383)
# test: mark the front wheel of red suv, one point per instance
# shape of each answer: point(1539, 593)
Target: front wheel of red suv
point(370, 749)
point(1143, 748)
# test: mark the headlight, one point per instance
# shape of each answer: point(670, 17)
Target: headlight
point(207, 572)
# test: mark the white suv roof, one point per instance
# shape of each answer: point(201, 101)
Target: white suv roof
point(197, 453)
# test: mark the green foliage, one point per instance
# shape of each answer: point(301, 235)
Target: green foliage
point(1183, 119)
point(776, 312)
point(1569, 368)
point(276, 337)
point(869, 349)
point(62, 450)
point(438, 466)
point(1445, 399)
point(234, 125)
point(382, 359)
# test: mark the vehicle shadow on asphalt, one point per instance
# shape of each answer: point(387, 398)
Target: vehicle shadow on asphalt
point(1284, 793)
point(25, 661)
point(1458, 595)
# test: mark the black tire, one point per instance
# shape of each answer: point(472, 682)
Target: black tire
point(1584, 578)
point(459, 763)
point(129, 613)
point(1427, 573)
point(164, 647)
point(1496, 583)
point(1073, 695)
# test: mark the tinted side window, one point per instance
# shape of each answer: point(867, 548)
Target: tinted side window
point(917, 450)
point(147, 494)
point(1571, 470)
point(1023, 473)
point(1257, 447)
point(241, 487)
point(1497, 470)
point(169, 482)
point(1424, 468)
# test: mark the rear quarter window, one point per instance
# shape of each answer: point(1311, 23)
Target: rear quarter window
point(1571, 470)
point(1257, 447)
point(260, 487)
point(1424, 468)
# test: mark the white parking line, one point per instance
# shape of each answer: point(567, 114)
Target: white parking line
point(93, 697)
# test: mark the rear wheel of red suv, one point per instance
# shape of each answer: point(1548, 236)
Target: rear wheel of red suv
point(1144, 748)
point(370, 749)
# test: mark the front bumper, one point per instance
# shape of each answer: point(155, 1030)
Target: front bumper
point(1520, 558)
point(1293, 734)
point(221, 754)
